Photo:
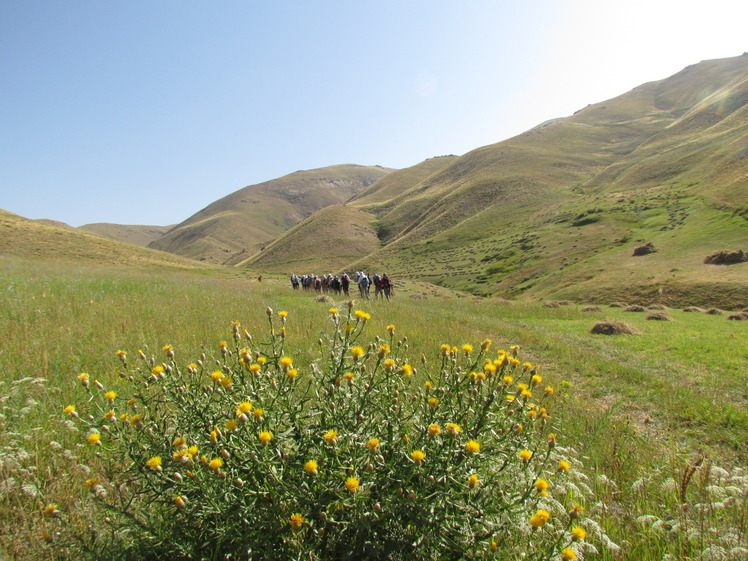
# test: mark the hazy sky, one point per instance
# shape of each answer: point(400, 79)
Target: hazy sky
point(144, 112)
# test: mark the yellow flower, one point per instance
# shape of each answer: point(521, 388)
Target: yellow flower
point(525, 455)
point(539, 518)
point(311, 467)
point(473, 481)
point(391, 329)
point(541, 485)
point(433, 402)
point(226, 382)
point(406, 369)
point(453, 429)
point(180, 501)
point(485, 344)
point(418, 456)
point(292, 373)
point(352, 484)
point(179, 442)
point(373, 444)
point(154, 463)
point(467, 349)
point(434, 430)
point(91, 483)
point(258, 412)
point(192, 451)
point(244, 407)
point(331, 436)
point(262, 360)
point(286, 362)
point(157, 370)
point(578, 533)
point(333, 311)
point(216, 376)
point(223, 345)
point(94, 438)
point(283, 314)
point(69, 410)
point(50, 510)
point(568, 554)
point(110, 395)
point(389, 365)
point(296, 521)
point(537, 379)
point(362, 315)
point(357, 352)
point(122, 355)
point(215, 464)
point(136, 421)
point(254, 368)
point(265, 437)
point(508, 380)
point(349, 377)
point(472, 447)
point(563, 465)
point(83, 378)
point(231, 425)
point(428, 385)
point(110, 416)
point(384, 350)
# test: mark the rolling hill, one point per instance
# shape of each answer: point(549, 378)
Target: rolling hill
point(43, 241)
point(556, 212)
point(244, 222)
point(134, 234)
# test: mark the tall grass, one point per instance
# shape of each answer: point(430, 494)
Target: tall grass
point(639, 410)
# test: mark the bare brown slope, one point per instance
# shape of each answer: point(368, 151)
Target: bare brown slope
point(133, 234)
point(323, 243)
point(31, 239)
point(250, 218)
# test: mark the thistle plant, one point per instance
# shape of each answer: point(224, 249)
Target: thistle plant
point(362, 453)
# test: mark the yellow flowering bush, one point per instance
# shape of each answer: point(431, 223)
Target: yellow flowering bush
point(250, 452)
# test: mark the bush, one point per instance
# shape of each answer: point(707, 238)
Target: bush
point(245, 454)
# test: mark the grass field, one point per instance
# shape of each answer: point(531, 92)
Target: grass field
point(636, 408)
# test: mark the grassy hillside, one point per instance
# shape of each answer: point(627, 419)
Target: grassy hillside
point(133, 234)
point(249, 219)
point(559, 209)
point(31, 239)
point(323, 243)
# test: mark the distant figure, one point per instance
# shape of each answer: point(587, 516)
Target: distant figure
point(259, 279)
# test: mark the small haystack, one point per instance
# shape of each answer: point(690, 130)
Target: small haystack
point(740, 316)
point(726, 257)
point(714, 312)
point(635, 308)
point(613, 328)
point(324, 299)
point(592, 309)
point(694, 309)
point(657, 307)
point(551, 304)
point(618, 305)
point(645, 249)
point(659, 316)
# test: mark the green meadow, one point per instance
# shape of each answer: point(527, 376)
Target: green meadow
point(658, 420)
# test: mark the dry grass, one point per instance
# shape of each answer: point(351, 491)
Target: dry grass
point(613, 328)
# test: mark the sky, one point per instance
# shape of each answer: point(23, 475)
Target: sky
point(146, 111)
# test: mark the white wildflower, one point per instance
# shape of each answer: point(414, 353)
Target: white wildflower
point(713, 553)
point(669, 486)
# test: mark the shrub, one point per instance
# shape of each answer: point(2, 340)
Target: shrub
point(245, 453)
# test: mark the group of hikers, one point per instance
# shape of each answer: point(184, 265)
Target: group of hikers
point(341, 284)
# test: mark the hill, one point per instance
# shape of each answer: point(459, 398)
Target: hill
point(134, 234)
point(325, 242)
point(38, 240)
point(557, 211)
point(244, 222)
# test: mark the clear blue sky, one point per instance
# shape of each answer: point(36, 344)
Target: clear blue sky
point(144, 112)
